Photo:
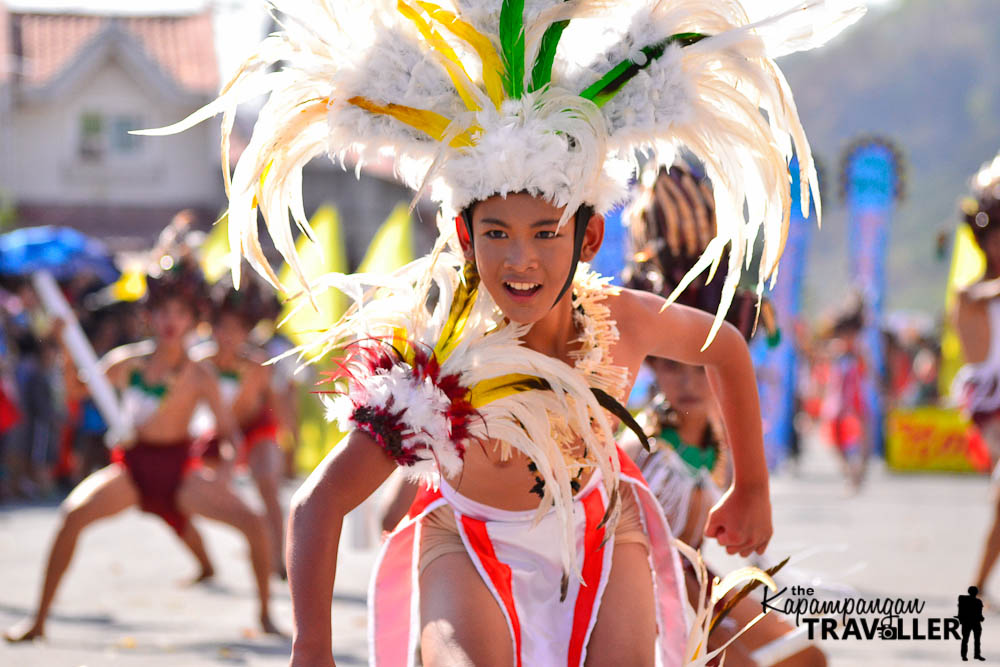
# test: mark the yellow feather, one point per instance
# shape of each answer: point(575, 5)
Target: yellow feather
point(492, 64)
point(451, 332)
point(431, 123)
point(452, 64)
point(401, 342)
point(263, 176)
point(494, 389)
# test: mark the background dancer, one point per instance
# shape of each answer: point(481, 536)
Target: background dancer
point(977, 322)
point(161, 387)
point(670, 222)
point(247, 388)
point(844, 409)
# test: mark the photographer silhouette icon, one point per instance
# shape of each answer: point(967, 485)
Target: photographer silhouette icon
point(970, 615)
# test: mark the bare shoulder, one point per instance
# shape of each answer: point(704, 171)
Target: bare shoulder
point(634, 311)
point(252, 368)
point(256, 356)
point(650, 327)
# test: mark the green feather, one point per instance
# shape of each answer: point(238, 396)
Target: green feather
point(541, 73)
point(608, 86)
point(512, 46)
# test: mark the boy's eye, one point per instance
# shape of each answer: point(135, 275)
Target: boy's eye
point(494, 234)
point(546, 234)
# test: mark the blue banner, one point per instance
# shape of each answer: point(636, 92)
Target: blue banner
point(610, 259)
point(871, 187)
point(777, 367)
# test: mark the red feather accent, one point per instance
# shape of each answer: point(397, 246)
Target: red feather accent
point(386, 426)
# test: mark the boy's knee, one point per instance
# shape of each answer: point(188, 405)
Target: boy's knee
point(812, 657)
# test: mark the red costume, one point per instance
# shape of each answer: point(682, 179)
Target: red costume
point(157, 471)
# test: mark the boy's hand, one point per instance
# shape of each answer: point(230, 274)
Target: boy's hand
point(741, 520)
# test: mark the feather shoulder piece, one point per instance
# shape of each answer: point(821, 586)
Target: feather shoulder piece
point(428, 373)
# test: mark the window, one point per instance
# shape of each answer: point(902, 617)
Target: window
point(103, 135)
point(91, 136)
point(121, 140)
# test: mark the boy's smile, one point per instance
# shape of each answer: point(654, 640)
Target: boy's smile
point(522, 291)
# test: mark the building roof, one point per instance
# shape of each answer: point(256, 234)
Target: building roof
point(181, 46)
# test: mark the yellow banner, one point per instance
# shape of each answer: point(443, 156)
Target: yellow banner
point(933, 439)
point(328, 254)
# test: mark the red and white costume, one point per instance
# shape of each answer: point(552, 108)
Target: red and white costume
point(520, 565)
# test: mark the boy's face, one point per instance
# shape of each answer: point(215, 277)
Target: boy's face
point(522, 259)
point(171, 320)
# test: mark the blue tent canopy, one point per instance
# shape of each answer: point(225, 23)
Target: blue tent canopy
point(62, 251)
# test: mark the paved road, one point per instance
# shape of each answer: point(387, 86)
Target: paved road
point(122, 602)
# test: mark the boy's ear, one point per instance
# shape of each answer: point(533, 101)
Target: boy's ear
point(592, 238)
point(463, 239)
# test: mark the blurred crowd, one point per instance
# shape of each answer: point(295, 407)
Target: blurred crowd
point(51, 433)
point(834, 392)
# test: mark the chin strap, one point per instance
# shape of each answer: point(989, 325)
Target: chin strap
point(580, 220)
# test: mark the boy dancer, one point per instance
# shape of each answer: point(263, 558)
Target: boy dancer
point(486, 366)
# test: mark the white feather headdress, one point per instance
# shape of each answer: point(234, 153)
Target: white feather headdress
point(474, 98)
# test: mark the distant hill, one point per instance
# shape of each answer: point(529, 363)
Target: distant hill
point(926, 75)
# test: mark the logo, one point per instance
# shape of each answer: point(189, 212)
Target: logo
point(970, 615)
point(878, 619)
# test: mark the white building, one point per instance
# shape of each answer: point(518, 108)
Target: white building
point(74, 82)
point(72, 88)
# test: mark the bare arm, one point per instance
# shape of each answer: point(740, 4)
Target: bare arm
point(116, 364)
point(349, 474)
point(741, 521)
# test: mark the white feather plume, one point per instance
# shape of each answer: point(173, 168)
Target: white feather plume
point(706, 97)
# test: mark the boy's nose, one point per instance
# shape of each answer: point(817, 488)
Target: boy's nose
point(521, 256)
